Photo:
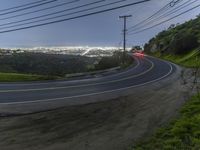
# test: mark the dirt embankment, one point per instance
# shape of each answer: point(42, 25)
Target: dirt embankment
point(110, 125)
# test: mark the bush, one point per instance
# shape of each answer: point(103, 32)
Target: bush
point(183, 43)
point(114, 61)
point(179, 39)
point(44, 64)
point(181, 134)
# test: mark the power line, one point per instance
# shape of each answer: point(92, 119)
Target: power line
point(29, 7)
point(166, 20)
point(168, 13)
point(166, 7)
point(58, 12)
point(76, 17)
point(174, 2)
point(163, 16)
point(64, 15)
point(151, 18)
point(178, 8)
point(24, 5)
point(36, 11)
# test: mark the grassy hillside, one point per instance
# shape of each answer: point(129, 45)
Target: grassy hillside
point(181, 134)
point(179, 43)
point(190, 60)
point(13, 77)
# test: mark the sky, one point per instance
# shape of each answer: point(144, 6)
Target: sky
point(99, 30)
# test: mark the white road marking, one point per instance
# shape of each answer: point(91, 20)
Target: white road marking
point(71, 81)
point(93, 94)
point(84, 85)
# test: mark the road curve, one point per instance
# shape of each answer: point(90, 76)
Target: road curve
point(147, 70)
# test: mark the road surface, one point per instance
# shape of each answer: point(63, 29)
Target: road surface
point(146, 71)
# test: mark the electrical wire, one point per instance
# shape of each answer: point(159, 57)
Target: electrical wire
point(76, 17)
point(24, 5)
point(29, 7)
point(36, 11)
point(160, 11)
point(176, 9)
point(64, 15)
point(166, 20)
point(58, 12)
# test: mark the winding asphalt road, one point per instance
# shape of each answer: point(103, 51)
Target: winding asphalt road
point(146, 71)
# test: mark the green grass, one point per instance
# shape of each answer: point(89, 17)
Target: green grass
point(14, 77)
point(181, 134)
point(190, 60)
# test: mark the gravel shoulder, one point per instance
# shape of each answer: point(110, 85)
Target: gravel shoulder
point(109, 125)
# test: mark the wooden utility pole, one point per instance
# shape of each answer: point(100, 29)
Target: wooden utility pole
point(124, 32)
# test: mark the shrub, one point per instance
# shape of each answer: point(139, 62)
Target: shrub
point(183, 43)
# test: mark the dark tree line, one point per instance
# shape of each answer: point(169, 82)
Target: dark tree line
point(44, 64)
point(116, 60)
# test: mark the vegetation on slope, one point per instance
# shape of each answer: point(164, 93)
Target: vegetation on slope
point(43, 64)
point(114, 61)
point(181, 134)
point(12, 77)
point(190, 60)
point(179, 43)
point(29, 66)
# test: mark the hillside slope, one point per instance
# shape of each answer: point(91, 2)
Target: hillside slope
point(179, 43)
